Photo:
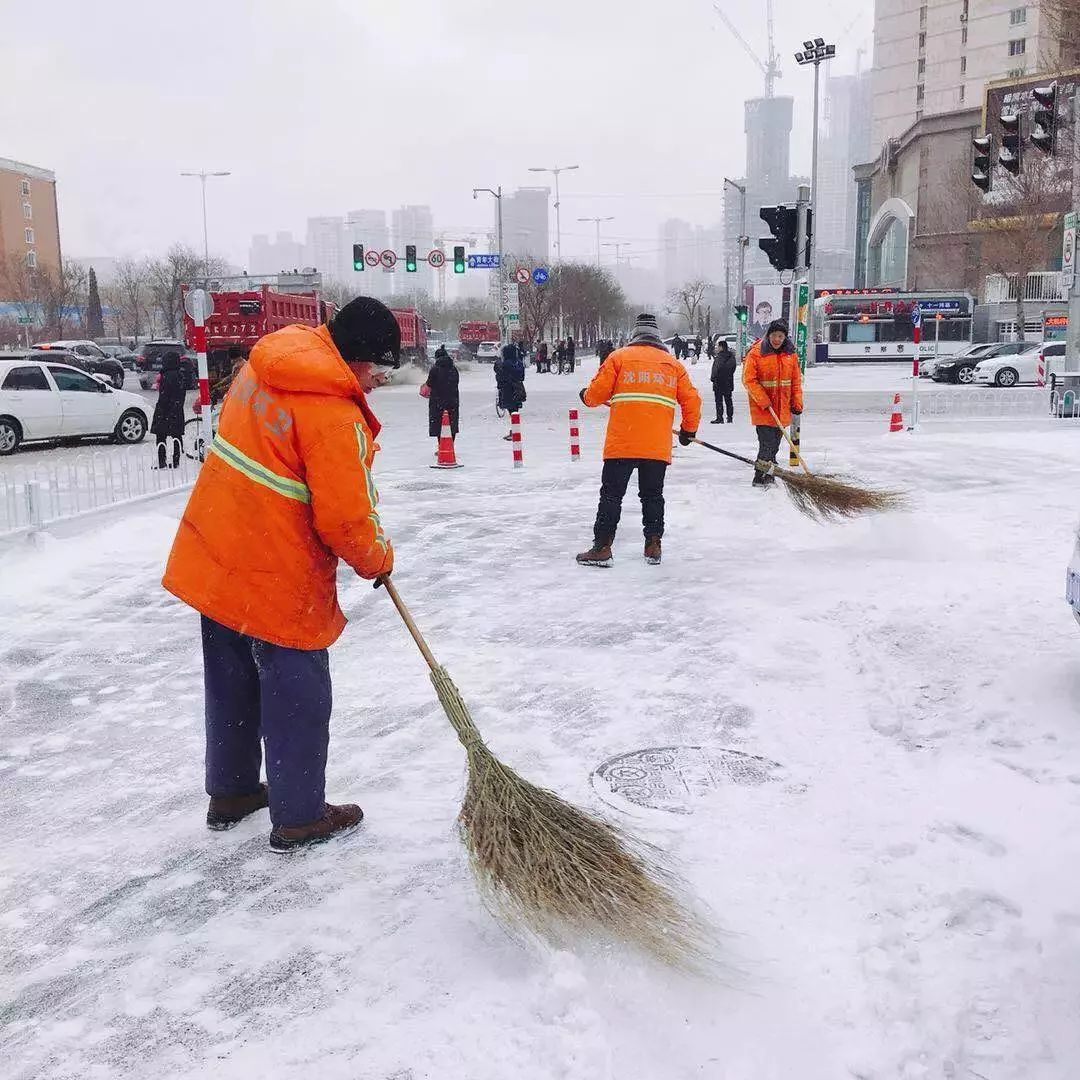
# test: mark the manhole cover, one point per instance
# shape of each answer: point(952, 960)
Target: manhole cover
point(673, 778)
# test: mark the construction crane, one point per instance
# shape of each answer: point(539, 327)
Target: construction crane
point(467, 234)
point(770, 68)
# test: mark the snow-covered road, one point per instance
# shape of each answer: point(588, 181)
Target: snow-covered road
point(901, 901)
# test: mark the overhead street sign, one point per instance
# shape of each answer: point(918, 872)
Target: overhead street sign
point(540, 275)
point(372, 258)
point(483, 262)
point(938, 305)
point(436, 259)
point(521, 275)
point(389, 259)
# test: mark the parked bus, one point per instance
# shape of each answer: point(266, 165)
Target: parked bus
point(874, 325)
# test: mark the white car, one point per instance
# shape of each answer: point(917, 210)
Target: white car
point(1072, 579)
point(43, 400)
point(1021, 366)
point(488, 352)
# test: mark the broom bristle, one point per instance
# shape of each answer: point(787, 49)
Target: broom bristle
point(545, 862)
point(828, 497)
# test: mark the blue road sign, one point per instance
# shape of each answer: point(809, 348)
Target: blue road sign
point(483, 262)
point(916, 316)
point(939, 305)
point(540, 275)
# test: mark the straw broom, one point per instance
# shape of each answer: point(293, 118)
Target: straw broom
point(821, 496)
point(548, 865)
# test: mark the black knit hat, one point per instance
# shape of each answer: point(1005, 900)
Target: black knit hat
point(365, 329)
point(645, 331)
point(777, 324)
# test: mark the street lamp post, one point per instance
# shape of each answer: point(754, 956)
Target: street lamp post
point(496, 194)
point(814, 52)
point(598, 221)
point(743, 241)
point(558, 224)
point(618, 245)
point(206, 239)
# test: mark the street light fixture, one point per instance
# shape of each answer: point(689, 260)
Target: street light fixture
point(555, 170)
point(496, 194)
point(206, 242)
point(598, 221)
point(814, 52)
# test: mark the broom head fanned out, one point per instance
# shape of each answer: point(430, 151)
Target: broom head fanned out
point(826, 497)
point(550, 866)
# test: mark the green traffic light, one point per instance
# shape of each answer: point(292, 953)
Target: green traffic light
point(459, 259)
point(410, 258)
point(358, 256)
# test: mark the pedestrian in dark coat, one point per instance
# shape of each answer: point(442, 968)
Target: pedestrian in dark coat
point(678, 347)
point(570, 354)
point(510, 381)
point(168, 421)
point(442, 383)
point(723, 382)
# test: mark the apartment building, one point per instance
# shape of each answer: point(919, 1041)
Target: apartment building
point(29, 220)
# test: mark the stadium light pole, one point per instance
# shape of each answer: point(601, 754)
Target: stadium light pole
point(814, 52)
point(555, 170)
point(206, 240)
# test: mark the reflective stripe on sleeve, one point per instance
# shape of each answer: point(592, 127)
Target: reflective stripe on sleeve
point(259, 473)
point(653, 399)
point(372, 493)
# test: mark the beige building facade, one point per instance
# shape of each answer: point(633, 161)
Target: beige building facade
point(29, 219)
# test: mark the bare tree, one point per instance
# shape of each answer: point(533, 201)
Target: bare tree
point(131, 294)
point(61, 292)
point(163, 280)
point(1021, 222)
point(686, 301)
point(19, 286)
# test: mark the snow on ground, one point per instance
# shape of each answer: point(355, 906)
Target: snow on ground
point(903, 903)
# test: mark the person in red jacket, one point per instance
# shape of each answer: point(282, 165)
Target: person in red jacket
point(284, 494)
point(644, 384)
point(772, 379)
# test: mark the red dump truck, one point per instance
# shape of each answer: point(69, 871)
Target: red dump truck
point(470, 334)
point(413, 335)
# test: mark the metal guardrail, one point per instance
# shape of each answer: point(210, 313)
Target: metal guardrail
point(1046, 285)
point(34, 494)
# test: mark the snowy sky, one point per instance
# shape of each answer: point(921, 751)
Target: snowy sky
point(326, 106)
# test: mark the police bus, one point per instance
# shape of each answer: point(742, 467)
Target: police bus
point(875, 325)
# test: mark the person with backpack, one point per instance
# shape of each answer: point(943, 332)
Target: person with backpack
point(723, 382)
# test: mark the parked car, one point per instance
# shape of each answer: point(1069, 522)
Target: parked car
point(487, 352)
point(41, 398)
point(958, 367)
point(1019, 367)
point(121, 353)
point(151, 353)
point(88, 356)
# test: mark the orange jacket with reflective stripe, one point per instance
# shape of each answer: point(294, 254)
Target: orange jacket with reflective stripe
point(285, 491)
point(643, 384)
point(772, 379)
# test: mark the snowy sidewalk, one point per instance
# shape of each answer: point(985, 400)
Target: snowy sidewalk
point(902, 899)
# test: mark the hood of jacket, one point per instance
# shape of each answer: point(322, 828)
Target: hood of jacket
point(304, 359)
point(443, 359)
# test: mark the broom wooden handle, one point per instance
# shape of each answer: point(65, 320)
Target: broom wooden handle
point(413, 629)
point(806, 468)
point(720, 450)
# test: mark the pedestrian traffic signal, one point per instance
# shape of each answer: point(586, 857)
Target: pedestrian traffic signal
point(1009, 154)
point(783, 222)
point(742, 313)
point(358, 256)
point(1044, 117)
point(459, 259)
point(410, 258)
point(982, 163)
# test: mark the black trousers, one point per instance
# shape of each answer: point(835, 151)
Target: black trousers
point(163, 453)
point(723, 398)
point(613, 484)
point(768, 438)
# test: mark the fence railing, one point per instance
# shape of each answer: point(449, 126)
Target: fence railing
point(976, 403)
point(37, 493)
point(1046, 285)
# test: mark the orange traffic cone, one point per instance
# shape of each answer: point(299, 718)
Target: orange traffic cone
point(446, 457)
point(896, 422)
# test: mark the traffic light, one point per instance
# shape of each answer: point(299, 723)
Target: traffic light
point(783, 222)
point(410, 258)
point(459, 258)
point(809, 236)
point(982, 162)
point(1044, 117)
point(742, 313)
point(358, 256)
point(1009, 154)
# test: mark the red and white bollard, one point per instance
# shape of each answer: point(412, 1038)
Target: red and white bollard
point(1040, 369)
point(199, 335)
point(575, 446)
point(515, 440)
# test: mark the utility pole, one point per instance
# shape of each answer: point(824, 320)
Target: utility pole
point(598, 220)
point(1072, 332)
point(206, 239)
point(743, 241)
point(558, 226)
point(814, 52)
point(496, 194)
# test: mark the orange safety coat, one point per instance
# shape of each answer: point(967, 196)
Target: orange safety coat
point(643, 384)
point(772, 379)
point(285, 491)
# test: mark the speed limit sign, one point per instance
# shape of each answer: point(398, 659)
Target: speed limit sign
point(521, 275)
point(436, 259)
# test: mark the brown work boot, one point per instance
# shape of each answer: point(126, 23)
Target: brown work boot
point(336, 821)
point(225, 811)
point(652, 550)
point(598, 555)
